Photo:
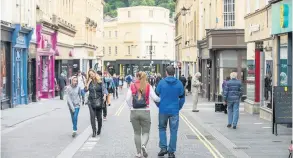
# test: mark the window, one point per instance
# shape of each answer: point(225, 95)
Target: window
point(103, 50)
point(256, 4)
point(151, 13)
point(103, 34)
point(109, 34)
point(110, 50)
point(116, 34)
point(128, 50)
point(247, 6)
point(116, 50)
point(229, 13)
point(129, 14)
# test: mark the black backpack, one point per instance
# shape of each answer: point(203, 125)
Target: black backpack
point(137, 102)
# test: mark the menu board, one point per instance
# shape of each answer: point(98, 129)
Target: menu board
point(282, 97)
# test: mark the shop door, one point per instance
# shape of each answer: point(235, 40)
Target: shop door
point(19, 68)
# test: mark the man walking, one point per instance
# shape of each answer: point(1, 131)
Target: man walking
point(232, 96)
point(171, 92)
point(62, 84)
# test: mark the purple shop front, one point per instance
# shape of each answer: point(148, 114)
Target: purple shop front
point(45, 61)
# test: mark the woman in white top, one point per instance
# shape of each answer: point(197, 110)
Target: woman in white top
point(138, 99)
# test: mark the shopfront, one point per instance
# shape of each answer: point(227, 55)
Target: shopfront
point(31, 82)
point(20, 43)
point(131, 67)
point(222, 52)
point(45, 61)
point(282, 29)
point(260, 59)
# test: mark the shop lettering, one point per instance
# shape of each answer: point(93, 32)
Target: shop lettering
point(284, 15)
point(20, 39)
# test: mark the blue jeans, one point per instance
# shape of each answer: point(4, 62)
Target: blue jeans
point(74, 117)
point(233, 113)
point(173, 125)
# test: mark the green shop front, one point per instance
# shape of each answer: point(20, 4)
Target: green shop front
point(282, 30)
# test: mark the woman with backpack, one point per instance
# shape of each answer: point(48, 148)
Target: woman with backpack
point(97, 95)
point(138, 99)
point(74, 101)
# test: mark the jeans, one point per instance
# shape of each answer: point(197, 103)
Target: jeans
point(74, 116)
point(93, 114)
point(233, 113)
point(141, 123)
point(173, 125)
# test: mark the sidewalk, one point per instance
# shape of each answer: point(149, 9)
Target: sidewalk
point(253, 136)
point(23, 113)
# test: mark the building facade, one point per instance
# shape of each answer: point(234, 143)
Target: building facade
point(88, 42)
point(268, 34)
point(214, 31)
point(140, 39)
point(16, 34)
point(186, 37)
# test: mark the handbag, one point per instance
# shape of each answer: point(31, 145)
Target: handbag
point(96, 103)
point(138, 102)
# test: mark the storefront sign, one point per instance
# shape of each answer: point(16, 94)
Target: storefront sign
point(91, 54)
point(254, 28)
point(20, 39)
point(282, 17)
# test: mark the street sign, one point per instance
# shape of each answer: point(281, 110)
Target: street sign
point(282, 106)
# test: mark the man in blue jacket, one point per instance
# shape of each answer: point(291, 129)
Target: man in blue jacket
point(171, 92)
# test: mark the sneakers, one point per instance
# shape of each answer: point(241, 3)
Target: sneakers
point(144, 151)
point(229, 125)
point(105, 118)
point(171, 155)
point(73, 134)
point(138, 155)
point(163, 152)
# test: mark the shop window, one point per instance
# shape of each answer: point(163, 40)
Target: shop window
point(4, 71)
point(229, 13)
point(283, 74)
point(250, 80)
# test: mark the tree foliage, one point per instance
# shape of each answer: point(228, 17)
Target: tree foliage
point(112, 5)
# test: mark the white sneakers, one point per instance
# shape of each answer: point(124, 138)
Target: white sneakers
point(74, 133)
point(144, 151)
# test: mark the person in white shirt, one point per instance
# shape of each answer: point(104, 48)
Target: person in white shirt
point(138, 100)
point(81, 84)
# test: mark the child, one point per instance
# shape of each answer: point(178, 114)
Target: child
point(73, 102)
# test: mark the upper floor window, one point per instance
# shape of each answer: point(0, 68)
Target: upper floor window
point(116, 50)
point(247, 6)
point(103, 50)
point(151, 13)
point(103, 34)
point(110, 50)
point(129, 14)
point(109, 34)
point(256, 4)
point(116, 34)
point(229, 13)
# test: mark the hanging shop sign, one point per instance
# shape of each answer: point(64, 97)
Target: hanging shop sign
point(282, 17)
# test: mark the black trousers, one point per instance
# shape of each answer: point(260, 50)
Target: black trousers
point(115, 93)
point(95, 113)
point(105, 110)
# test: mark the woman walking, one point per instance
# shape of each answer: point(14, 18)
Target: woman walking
point(73, 102)
point(138, 99)
point(97, 95)
point(121, 80)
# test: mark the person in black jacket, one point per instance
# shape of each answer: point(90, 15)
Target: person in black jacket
point(97, 91)
point(184, 81)
point(62, 83)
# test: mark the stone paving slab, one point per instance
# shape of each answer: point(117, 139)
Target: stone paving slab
point(117, 140)
point(253, 135)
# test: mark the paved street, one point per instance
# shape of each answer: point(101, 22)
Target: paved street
point(44, 130)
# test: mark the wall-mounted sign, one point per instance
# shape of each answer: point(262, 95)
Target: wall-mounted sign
point(282, 17)
point(20, 39)
point(91, 54)
point(254, 28)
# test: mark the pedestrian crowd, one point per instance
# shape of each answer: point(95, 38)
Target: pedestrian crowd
point(95, 89)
